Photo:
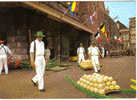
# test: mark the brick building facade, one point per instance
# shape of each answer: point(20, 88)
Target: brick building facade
point(132, 29)
point(124, 34)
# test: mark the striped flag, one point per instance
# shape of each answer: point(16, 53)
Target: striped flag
point(92, 18)
point(77, 7)
point(103, 30)
point(115, 36)
point(97, 36)
point(73, 7)
point(90, 21)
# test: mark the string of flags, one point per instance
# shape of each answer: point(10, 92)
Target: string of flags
point(104, 32)
point(73, 8)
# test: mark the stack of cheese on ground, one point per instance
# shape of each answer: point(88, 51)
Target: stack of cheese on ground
point(97, 83)
point(74, 58)
point(87, 64)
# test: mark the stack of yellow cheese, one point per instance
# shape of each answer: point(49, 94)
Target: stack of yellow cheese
point(73, 58)
point(98, 83)
point(87, 64)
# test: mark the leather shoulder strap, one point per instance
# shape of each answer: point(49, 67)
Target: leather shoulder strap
point(4, 49)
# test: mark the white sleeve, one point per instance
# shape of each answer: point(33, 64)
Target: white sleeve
point(32, 47)
point(89, 51)
point(77, 50)
point(8, 50)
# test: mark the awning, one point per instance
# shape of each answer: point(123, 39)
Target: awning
point(57, 14)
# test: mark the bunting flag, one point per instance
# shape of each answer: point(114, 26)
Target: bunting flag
point(73, 7)
point(103, 30)
point(77, 7)
point(119, 39)
point(115, 36)
point(97, 36)
point(72, 13)
point(94, 14)
point(92, 18)
point(90, 21)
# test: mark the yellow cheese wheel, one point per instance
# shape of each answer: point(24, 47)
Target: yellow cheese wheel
point(100, 86)
point(106, 88)
point(86, 64)
point(111, 87)
point(108, 83)
point(78, 82)
point(117, 87)
point(110, 78)
point(113, 83)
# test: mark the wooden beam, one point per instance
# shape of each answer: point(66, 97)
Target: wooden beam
point(54, 18)
point(44, 8)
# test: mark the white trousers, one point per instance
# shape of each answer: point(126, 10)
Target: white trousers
point(80, 58)
point(3, 62)
point(103, 54)
point(95, 62)
point(40, 70)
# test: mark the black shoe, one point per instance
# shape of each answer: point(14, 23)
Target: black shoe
point(42, 90)
point(34, 83)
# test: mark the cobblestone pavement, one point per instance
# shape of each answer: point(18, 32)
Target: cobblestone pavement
point(17, 84)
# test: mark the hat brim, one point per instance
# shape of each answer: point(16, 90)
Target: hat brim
point(93, 43)
point(39, 35)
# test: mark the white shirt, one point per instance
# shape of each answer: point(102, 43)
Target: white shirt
point(40, 48)
point(4, 50)
point(89, 50)
point(80, 50)
point(93, 51)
